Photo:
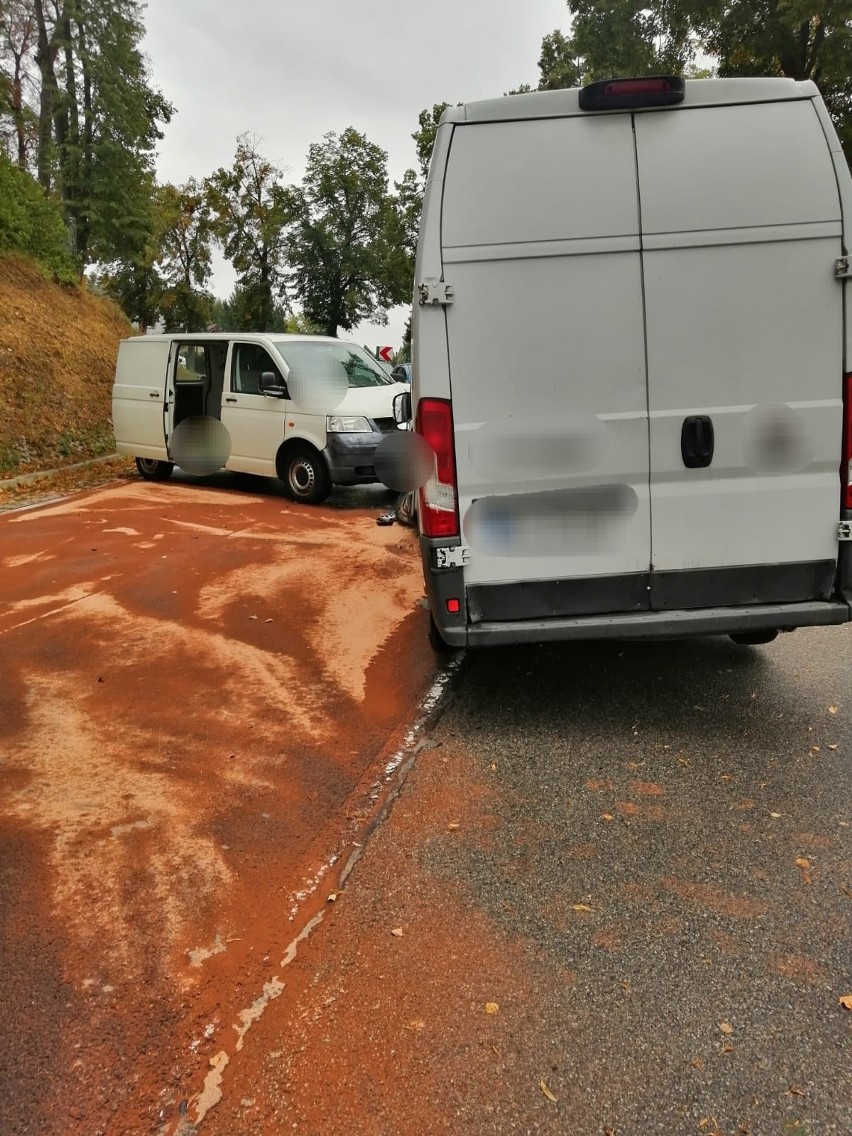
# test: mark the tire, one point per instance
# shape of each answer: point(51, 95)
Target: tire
point(305, 476)
point(754, 638)
point(436, 641)
point(153, 470)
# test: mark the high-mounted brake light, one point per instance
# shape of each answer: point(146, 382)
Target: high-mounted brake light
point(439, 514)
point(632, 94)
point(846, 463)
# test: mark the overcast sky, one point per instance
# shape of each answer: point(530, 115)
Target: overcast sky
point(291, 72)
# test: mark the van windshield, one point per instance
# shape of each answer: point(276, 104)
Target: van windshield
point(333, 359)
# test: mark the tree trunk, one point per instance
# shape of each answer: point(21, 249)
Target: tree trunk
point(18, 112)
point(45, 56)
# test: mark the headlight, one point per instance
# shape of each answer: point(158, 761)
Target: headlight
point(337, 424)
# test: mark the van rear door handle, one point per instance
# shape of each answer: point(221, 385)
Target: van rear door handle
point(230, 400)
point(697, 441)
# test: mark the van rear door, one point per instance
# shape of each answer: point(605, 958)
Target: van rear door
point(540, 242)
point(741, 226)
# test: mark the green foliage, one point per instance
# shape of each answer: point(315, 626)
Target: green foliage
point(424, 137)
point(347, 244)
point(239, 312)
point(107, 165)
point(184, 238)
point(31, 224)
point(800, 39)
point(251, 210)
point(557, 64)
point(76, 104)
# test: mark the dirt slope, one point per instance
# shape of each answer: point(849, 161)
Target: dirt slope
point(57, 361)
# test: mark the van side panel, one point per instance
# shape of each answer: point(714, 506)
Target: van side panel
point(138, 397)
point(547, 363)
point(429, 330)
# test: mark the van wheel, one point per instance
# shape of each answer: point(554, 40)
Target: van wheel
point(305, 476)
point(153, 470)
point(436, 640)
point(754, 638)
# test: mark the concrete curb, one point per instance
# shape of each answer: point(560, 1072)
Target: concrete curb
point(29, 478)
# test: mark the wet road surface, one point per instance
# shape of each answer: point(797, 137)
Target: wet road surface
point(615, 897)
point(201, 689)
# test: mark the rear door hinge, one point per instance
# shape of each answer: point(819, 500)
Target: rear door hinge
point(435, 293)
point(844, 530)
point(456, 556)
point(841, 268)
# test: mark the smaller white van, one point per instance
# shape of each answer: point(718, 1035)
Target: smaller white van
point(310, 410)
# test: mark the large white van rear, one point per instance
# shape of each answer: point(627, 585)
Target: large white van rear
point(631, 360)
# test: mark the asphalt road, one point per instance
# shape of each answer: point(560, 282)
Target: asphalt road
point(615, 897)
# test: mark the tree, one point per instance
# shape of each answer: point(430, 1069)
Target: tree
point(18, 124)
point(184, 240)
point(799, 39)
point(75, 97)
point(251, 211)
point(133, 278)
point(347, 245)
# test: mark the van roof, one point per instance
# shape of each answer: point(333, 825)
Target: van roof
point(564, 103)
point(245, 336)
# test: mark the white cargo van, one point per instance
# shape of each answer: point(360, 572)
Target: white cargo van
point(632, 351)
point(308, 409)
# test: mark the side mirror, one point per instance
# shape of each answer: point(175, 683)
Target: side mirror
point(270, 384)
point(402, 407)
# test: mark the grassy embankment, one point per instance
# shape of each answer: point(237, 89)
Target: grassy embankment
point(57, 362)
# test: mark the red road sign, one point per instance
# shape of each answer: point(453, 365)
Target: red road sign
point(385, 354)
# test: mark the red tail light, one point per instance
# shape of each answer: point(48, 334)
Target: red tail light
point(846, 464)
point(439, 510)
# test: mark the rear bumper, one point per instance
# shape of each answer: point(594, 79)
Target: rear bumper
point(652, 624)
point(704, 602)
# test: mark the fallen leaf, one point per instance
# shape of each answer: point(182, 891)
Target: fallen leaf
point(492, 1007)
point(267, 621)
point(547, 1092)
point(726, 1028)
point(453, 825)
point(832, 709)
point(626, 987)
point(416, 1025)
point(801, 862)
point(726, 1048)
point(332, 897)
point(397, 931)
point(794, 1092)
point(776, 815)
point(607, 817)
point(697, 1063)
point(846, 1001)
point(832, 745)
point(252, 617)
point(580, 907)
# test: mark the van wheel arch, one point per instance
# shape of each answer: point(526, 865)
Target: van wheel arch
point(304, 472)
